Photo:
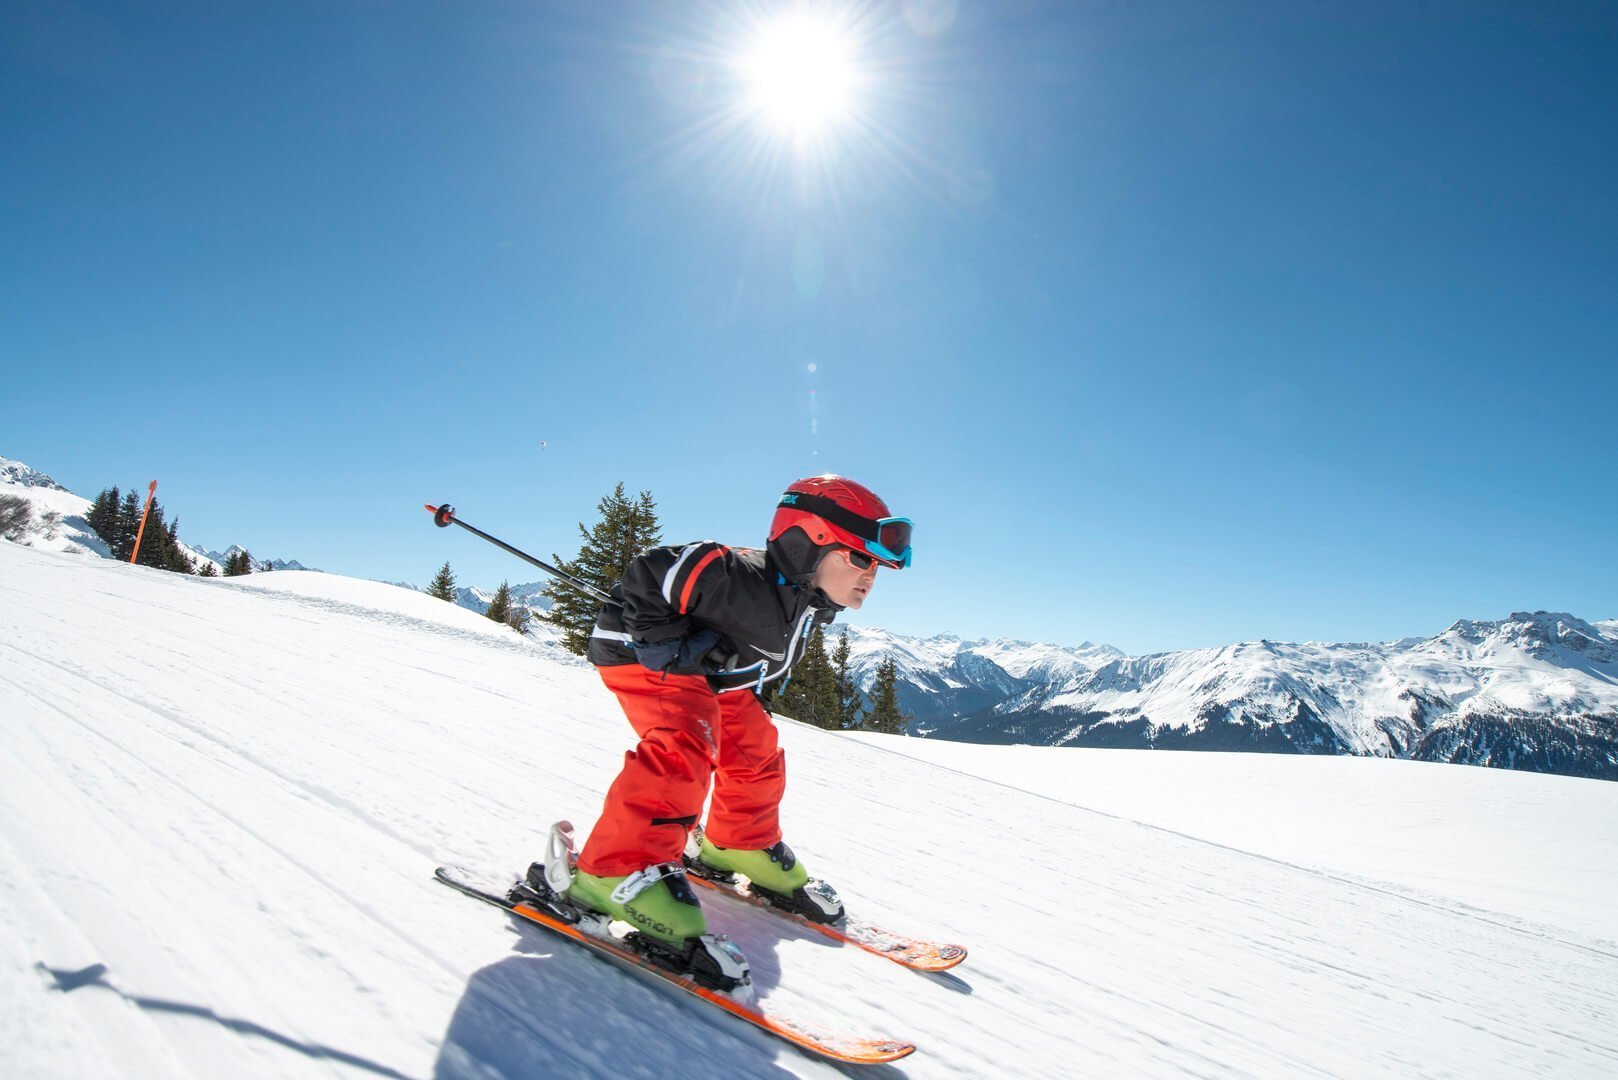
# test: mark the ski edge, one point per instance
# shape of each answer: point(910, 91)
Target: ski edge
point(852, 1051)
point(905, 951)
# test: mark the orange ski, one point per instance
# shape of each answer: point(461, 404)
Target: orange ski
point(851, 1049)
point(908, 951)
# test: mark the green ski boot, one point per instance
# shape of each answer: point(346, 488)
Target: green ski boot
point(773, 873)
point(774, 868)
point(657, 901)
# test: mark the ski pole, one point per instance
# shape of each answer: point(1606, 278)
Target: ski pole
point(444, 516)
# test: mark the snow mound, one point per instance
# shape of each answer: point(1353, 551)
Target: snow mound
point(57, 520)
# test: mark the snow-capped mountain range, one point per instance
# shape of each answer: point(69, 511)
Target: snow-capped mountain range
point(943, 679)
point(1536, 691)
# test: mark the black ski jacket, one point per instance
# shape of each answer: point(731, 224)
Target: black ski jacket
point(763, 621)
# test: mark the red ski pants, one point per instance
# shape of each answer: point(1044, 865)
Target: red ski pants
point(687, 733)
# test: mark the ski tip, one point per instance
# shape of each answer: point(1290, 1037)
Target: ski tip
point(943, 958)
point(851, 1051)
point(881, 1053)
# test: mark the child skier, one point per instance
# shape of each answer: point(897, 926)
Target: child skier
point(691, 638)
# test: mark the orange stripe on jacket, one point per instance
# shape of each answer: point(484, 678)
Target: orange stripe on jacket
point(696, 571)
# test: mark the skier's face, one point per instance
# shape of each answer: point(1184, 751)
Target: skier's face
point(844, 582)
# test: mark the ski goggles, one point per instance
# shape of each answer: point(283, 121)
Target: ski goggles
point(885, 539)
point(891, 548)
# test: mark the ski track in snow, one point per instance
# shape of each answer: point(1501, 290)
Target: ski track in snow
point(231, 797)
point(1597, 947)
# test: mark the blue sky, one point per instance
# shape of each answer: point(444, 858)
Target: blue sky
point(1171, 325)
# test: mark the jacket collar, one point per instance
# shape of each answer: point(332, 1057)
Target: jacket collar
point(794, 598)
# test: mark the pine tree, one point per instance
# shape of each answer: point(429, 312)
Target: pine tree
point(103, 516)
point(443, 585)
point(207, 570)
point(644, 532)
point(500, 606)
point(117, 521)
point(126, 527)
point(153, 540)
point(827, 708)
point(795, 698)
point(238, 564)
point(811, 694)
point(175, 557)
point(626, 529)
point(885, 716)
point(847, 690)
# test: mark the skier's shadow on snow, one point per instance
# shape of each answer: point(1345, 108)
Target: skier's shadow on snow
point(95, 975)
point(556, 1010)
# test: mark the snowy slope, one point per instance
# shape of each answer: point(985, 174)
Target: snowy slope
point(58, 521)
point(221, 801)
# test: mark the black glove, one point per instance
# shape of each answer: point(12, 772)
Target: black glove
point(678, 656)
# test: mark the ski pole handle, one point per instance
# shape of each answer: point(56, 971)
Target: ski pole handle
point(444, 517)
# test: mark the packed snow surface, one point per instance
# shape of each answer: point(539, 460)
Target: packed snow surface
point(221, 802)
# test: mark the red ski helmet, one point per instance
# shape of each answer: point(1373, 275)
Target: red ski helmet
point(819, 513)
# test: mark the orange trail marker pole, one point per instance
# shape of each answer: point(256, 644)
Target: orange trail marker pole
point(142, 530)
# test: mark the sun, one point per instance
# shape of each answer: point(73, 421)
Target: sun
point(801, 75)
point(812, 101)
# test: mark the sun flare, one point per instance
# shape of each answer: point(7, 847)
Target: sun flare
point(801, 75)
point(809, 100)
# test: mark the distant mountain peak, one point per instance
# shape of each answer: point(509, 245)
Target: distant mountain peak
point(1538, 633)
point(222, 557)
point(1535, 690)
point(15, 472)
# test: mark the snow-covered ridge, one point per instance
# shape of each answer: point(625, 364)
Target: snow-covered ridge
point(1550, 663)
point(15, 472)
point(57, 520)
point(944, 677)
point(1534, 690)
